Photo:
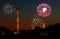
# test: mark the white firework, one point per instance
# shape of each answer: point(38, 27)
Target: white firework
point(8, 9)
point(44, 9)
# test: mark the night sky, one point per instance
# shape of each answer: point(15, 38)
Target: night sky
point(27, 13)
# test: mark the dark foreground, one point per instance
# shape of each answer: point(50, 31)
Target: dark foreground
point(49, 32)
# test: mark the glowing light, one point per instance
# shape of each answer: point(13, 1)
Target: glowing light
point(43, 26)
point(8, 9)
point(3, 33)
point(17, 15)
point(15, 33)
point(37, 22)
point(43, 10)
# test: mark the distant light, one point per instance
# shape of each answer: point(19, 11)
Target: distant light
point(15, 33)
point(3, 33)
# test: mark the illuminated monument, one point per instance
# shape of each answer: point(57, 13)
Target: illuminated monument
point(17, 20)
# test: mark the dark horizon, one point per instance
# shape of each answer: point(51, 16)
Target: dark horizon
point(29, 28)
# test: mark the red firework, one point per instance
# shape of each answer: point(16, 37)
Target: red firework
point(44, 10)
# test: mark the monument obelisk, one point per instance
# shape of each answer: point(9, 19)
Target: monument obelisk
point(17, 20)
